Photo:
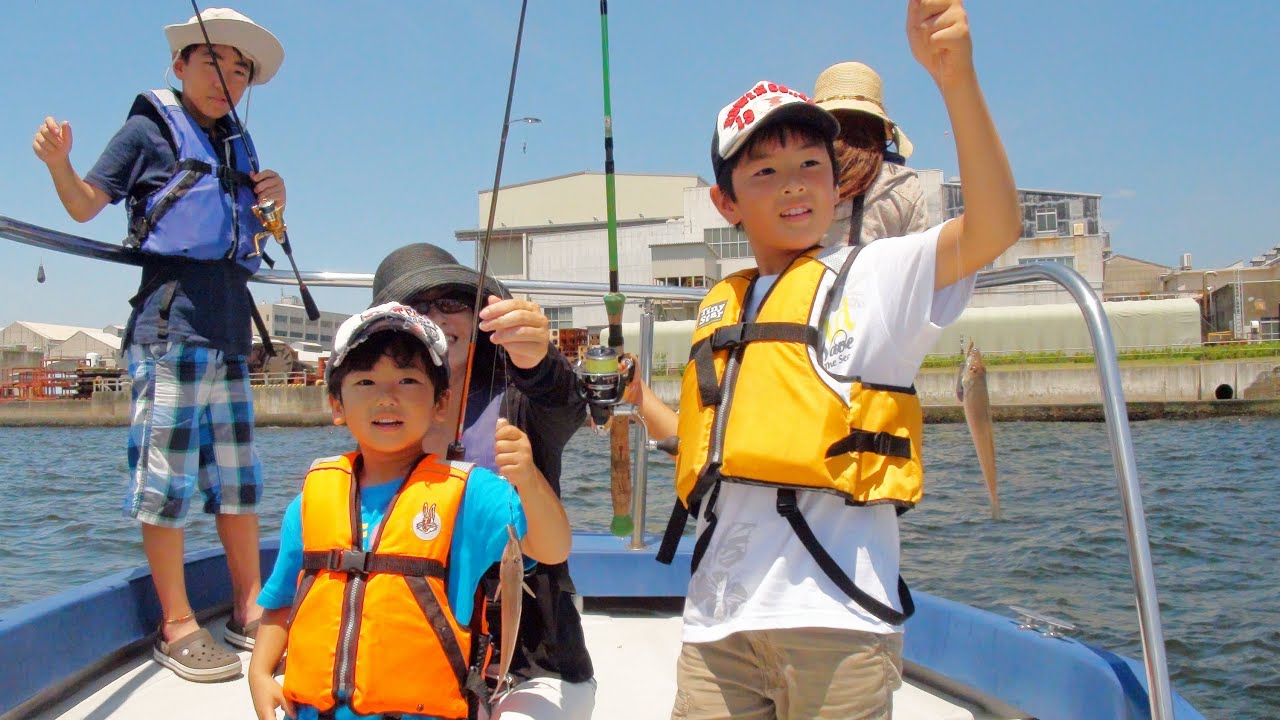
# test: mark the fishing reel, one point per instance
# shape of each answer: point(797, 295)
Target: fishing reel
point(603, 374)
point(272, 218)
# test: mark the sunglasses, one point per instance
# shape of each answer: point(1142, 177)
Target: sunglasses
point(446, 305)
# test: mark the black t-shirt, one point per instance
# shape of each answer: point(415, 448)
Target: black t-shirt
point(544, 402)
point(211, 304)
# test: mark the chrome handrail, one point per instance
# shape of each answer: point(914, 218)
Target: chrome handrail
point(1114, 409)
point(515, 285)
point(1117, 417)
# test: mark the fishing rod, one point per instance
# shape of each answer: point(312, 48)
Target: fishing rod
point(271, 216)
point(456, 449)
point(603, 372)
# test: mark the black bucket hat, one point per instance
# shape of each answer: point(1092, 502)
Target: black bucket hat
point(417, 268)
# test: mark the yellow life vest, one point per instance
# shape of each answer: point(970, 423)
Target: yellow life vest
point(757, 407)
point(374, 629)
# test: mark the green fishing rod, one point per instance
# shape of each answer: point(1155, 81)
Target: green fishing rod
point(603, 372)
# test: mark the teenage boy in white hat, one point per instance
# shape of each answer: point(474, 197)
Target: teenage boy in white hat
point(799, 430)
point(186, 172)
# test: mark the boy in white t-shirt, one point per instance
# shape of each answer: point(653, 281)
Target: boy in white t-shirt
point(799, 429)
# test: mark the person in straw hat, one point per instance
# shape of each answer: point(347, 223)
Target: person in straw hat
point(879, 196)
point(186, 172)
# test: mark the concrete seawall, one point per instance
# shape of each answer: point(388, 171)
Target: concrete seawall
point(279, 405)
point(1021, 393)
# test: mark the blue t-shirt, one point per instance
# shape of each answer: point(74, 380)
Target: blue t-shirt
point(489, 505)
point(211, 306)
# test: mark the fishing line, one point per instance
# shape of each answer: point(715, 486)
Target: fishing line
point(456, 448)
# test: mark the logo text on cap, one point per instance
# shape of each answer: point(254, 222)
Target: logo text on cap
point(741, 118)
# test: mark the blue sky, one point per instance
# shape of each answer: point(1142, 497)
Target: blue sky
point(385, 118)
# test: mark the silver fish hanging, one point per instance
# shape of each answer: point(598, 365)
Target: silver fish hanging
point(971, 390)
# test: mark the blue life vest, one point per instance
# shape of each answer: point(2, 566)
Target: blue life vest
point(193, 216)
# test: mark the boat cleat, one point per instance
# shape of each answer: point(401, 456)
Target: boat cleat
point(1030, 620)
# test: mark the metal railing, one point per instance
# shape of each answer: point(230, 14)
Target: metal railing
point(1122, 456)
point(1115, 412)
point(297, 377)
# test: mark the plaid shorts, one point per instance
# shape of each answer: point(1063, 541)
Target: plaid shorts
point(192, 427)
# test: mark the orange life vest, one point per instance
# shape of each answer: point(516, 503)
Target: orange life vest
point(374, 629)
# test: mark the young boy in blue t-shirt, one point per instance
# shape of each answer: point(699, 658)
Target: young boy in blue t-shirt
point(373, 592)
point(185, 170)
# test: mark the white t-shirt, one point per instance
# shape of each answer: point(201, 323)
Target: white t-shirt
point(756, 574)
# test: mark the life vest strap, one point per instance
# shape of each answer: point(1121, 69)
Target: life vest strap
point(737, 335)
point(856, 209)
point(437, 618)
point(356, 562)
point(908, 390)
point(675, 529)
point(226, 174)
point(477, 689)
point(880, 443)
point(704, 540)
point(261, 325)
point(788, 509)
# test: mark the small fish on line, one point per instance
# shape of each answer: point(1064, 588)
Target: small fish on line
point(510, 583)
point(971, 390)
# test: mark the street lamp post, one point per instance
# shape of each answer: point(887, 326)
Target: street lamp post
point(524, 144)
point(524, 237)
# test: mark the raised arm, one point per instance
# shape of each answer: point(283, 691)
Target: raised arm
point(52, 144)
point(660, 421)
point(938, 31)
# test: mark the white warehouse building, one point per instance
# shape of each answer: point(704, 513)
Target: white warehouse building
point(670, 233)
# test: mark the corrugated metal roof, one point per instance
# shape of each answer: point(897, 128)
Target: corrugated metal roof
point(57, 333)
point(107, 339)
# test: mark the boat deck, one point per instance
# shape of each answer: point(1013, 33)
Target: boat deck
point(634, 653)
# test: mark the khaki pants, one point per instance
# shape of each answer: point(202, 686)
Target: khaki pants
point(790, 675)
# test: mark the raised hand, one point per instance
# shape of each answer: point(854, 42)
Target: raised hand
point(52, 142)
point(938, 31)
point(519, 327)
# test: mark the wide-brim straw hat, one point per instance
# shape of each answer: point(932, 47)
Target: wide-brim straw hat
point(854, 86)
point(414, 269)
point(228, 27)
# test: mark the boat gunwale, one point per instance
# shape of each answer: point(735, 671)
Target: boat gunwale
point(1004, 667)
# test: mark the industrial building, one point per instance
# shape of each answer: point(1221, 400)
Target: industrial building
point(670, 233)
point(62, 342)
point(286, 321)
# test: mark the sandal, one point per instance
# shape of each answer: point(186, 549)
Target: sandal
point(241, 636)
point(197, 657)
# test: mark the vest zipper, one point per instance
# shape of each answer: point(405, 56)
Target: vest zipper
point(726, 399)
point(346, 645)
point(229, 187)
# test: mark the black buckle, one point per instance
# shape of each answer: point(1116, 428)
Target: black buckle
point(348, 561)
point(787, 503)
point(728, 336)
